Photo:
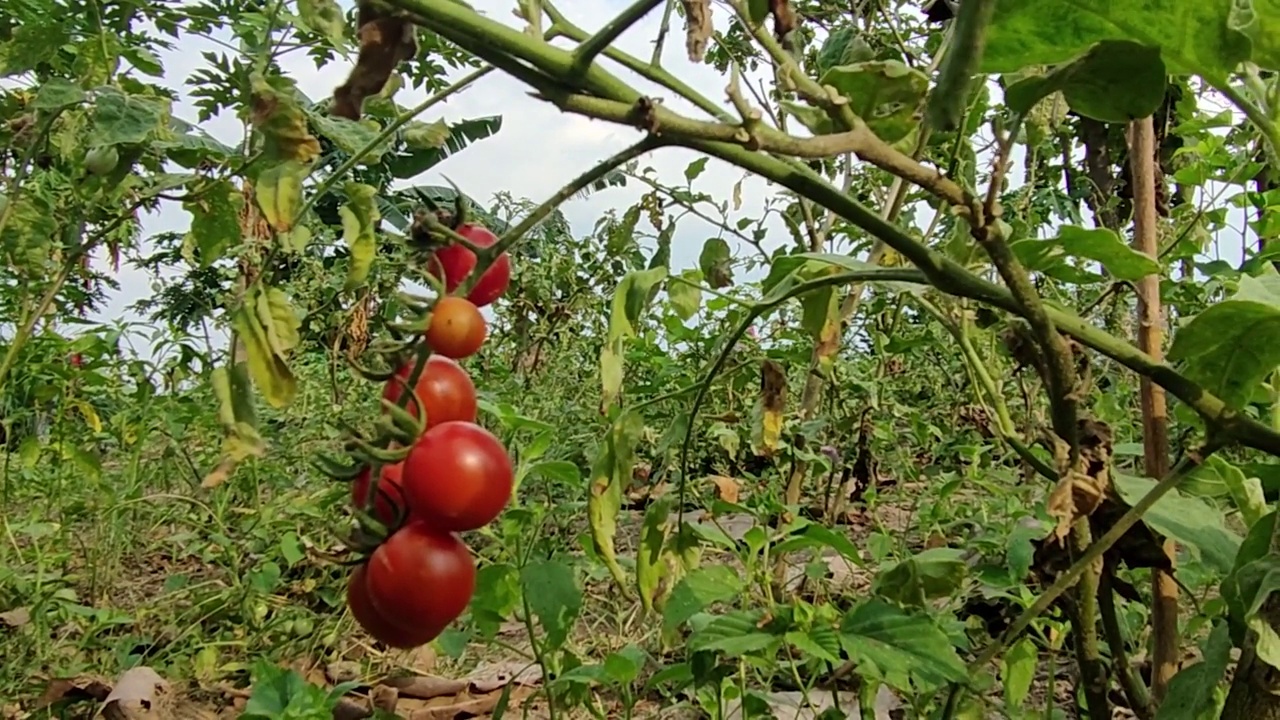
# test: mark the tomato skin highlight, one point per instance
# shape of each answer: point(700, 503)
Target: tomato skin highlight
point(421, 579)
point(390, 483)
point(457, 328)
point(446, 390)
point(453, 263)
point(373, 622)
point(458, 477)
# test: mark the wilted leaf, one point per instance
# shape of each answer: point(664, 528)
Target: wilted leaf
point(1114, 81)
point(137, 691)
point(1230, 347)
point(649, 555)
point(277, 114)
point(715, 262)
point(267, 367)
point(610, 471)
point(278, 190)
point(15, 618)
point(630, 300)
point(772, 404)
point(727, 488)
point(698, 28)
point(359, 218)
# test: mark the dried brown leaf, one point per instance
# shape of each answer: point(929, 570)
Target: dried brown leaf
point(698, 27)
point(727, 488)
point(16, 617)
point(85, 687)
point(425, 687)
point(491, 676)
point(139, 693)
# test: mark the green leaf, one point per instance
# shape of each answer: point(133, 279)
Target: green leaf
point(1254, 583)
point(120, 119)
point(899, 649)
point(57, 93)
point(822, 642)
point(553, 596)
point(816, 306)
point(291, 548)
point(757, 10)
point(324, 18)
point(359, 219)
point(1246, 492)
point(1230, 347)
point(1100, 245)
point(630, 300)
point(1115, 81)
point(884, 93)
point(561, 471)
point(695, 168)
point(215, 220)
point(1017, 670)
point(350, 136)
point(1191, 521)
point(715, 261)
point(927, 575)
point(410, 164)
point(1258, 20)
point(685, 295)
point(624, 666)
point(1192, 35)
point(697, 591)
point(844, 46)
point(734, 634)
point(1192, 692)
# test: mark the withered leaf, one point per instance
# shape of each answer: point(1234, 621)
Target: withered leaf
point(698, 27)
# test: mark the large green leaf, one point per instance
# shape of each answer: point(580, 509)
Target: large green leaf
point(927, 575)
point(1230, 347)
point(1115, 81)
point(1099, 244)
point(411, 163)
point(1193, 35)
point(698, 590)
point(884, 93)
point(900, 649)
point(553, 596)
point(1193, 522)
point(1192, 691)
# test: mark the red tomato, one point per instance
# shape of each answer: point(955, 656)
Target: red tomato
point(458, 476)
point(444, 387)
point(457, 328)
point(454, 263)
point(76, 360)
point(421, 579)
point(388, 484)
point(374, 622)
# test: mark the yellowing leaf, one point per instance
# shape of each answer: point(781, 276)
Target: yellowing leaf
point(359, 218)
point(630, 300)
point(727, 488)
point(90, 415)
point(424, 136)
point(266, 366)
point(610, 471)
point(279, 319)
point(279, 193)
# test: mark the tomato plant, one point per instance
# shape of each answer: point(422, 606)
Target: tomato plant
point(457, 328)
point(374, 622)
point(445, 389)
point(390, 491)
point(458, 476)
point(420, 580)
point(454, 263)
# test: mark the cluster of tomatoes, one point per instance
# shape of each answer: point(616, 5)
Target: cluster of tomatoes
point(456, 477)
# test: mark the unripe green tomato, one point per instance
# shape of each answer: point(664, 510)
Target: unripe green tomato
point(102, 160)
point(303, 627)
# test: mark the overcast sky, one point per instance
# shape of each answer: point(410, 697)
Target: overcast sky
point(537, 151)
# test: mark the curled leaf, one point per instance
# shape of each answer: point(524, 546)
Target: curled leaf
point(359, 218)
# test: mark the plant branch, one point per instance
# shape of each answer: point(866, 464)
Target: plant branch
point(586, 53)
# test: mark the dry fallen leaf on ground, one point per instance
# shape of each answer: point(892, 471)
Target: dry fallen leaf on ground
point(140, 692)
